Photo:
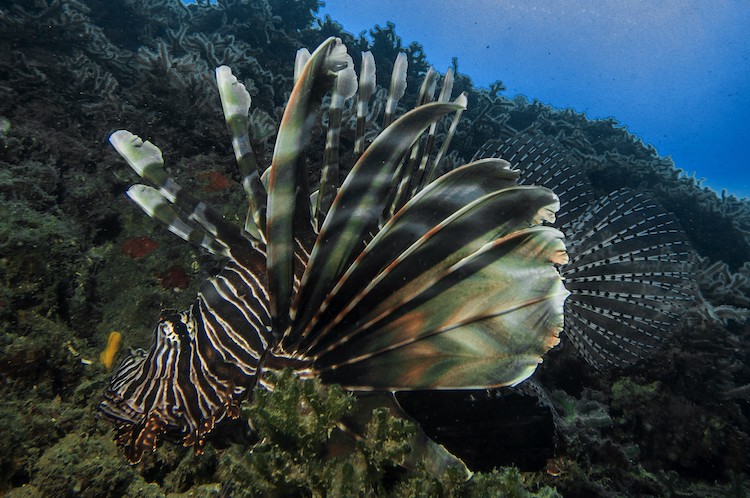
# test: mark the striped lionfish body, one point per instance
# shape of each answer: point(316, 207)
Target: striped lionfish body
point(394, 279)
point(202, 363)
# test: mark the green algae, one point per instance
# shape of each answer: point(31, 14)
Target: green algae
point(297, 424)
point(81, 466)
point(302, 453)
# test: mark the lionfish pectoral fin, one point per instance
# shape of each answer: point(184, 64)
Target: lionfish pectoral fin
point(452, 219)
point(629, 277)
point(448, 334)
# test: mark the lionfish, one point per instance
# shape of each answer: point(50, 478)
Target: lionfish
point(397, 279)
point(630, 273)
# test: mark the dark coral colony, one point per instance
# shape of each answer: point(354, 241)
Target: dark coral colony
point(373, 281)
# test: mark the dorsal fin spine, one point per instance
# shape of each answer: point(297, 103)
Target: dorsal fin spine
point(397, 89)
point(366, 89)
point(236, 101)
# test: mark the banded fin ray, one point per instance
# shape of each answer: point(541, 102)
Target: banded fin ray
point(450, 336)
point(154, 204)
point(629, 279)
point(357, 207)
point(451, 240)
point(408, 167)
point(366, 89)
point(146, 159)
point(235, 101)
point(288, 213)
point(397, 88)
point(413, 170)
point(544, 162)
point(428, 163)
point(344, 88)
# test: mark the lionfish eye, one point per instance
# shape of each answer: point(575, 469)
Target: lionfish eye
point(173, 328)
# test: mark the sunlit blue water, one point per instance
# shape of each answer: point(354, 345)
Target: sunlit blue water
point(676, 73)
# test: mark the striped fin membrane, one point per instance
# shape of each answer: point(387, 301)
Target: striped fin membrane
point(629, 279)
point(628, 274)
point(542, 161)
point(393, 279)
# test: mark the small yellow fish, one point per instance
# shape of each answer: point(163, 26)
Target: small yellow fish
point(107, 357)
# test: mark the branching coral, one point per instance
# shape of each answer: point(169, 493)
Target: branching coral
point(728, 291)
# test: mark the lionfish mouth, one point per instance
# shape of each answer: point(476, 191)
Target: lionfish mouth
point(397, 278)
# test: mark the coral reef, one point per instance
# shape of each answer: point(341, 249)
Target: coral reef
point(72, 71)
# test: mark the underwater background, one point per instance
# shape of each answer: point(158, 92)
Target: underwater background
point(78, 263)
point(675, 73)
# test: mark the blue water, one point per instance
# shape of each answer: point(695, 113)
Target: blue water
point(676, 73)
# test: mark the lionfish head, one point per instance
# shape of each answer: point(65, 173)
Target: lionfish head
point(139, 395)
point(146, 393)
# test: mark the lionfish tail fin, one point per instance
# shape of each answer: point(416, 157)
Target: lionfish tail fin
point(629, 278)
